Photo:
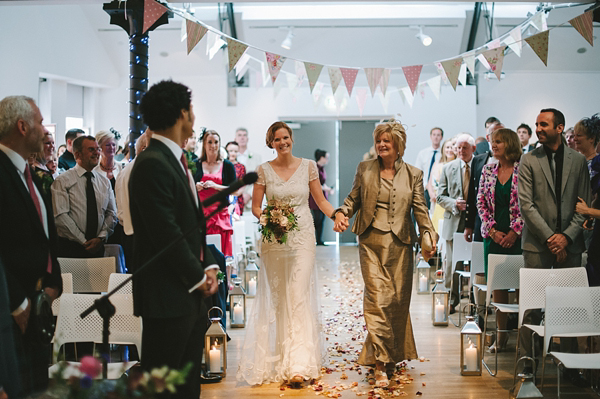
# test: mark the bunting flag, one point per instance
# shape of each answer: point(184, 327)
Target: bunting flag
point(539, 21)
point(493, 44)
point(373, 78)
point(153, 10)
point(240, 67)
point(335, 77)
point(264, 74)
point(440, 69)
point(584, 25)
point(462, 75)
point(183, 31)
point(539, 44)
point(277, 86)
point(349, 75)
point(317, 95)
point(300, 73)
point(213, 44)
point(385, 101)
point(274, 63)
point(514, 40)
point(412, 74)
point(435, 84)
point(361, 99)
point(410, 99)
point(195, 33)
point(495, 58)
point(470, 62)
point(340, 101)
point(384, 81)
point(235, 50)
point(312, 73)
point(422, 90)
point(452, 69)
point(483, 61)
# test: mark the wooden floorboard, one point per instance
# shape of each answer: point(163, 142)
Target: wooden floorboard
point(436, 377)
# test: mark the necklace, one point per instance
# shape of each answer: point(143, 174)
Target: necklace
point(104, 168)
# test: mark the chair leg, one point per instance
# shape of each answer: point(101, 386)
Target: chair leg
point(518, 345)
point(483, 350)
point(558, 378)
point(543, 371)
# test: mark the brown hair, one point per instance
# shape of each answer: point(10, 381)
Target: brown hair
point(275, 127)
point(513, 150)
point(204, 138)
point(396, 131)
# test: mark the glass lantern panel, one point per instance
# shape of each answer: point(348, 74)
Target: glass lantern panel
point(472, 355)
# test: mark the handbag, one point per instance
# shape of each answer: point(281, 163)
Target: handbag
point(426, 245)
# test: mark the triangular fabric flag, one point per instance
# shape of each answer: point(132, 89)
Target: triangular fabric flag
point(213, 44)
point(349, 75)
point(317, 95)
point(239, 67)
point(539, 21)
point(514, 40)
point(493, 44)
point(410, 99)
point(384, 81)
point(462, 75)
point(470, 62)
point(195, 33)
point(385, 101)
point(412, 74)
point(235, 50)
point(153, 10)
point(335, 77)
point(584, 25)
point(183, 31)
point(361, 99)
point(435, 84)
point(312, 73)
point(373, 78)
point(422, 90)
point(340, 101)
point(441, 71)
point(274, 63)
point(402, 95)
point(277, 86)
point(539, 44)
point(452, 69)
point(483, 61)
point(300, 73)
point(495, 59)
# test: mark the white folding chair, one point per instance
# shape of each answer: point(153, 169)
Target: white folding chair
point(532, 293)
point(117, 278)
point(89, 275)
point(503, 274)
point(67, 280)
point(461, 252)
point(239, 237)
point(571, 312)
point(214, 239)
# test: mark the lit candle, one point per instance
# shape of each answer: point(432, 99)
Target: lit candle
point(238, 314)
point(471, 358)
point(215, 359)
point(439, 312)
point(252, 287)
point(422, 283)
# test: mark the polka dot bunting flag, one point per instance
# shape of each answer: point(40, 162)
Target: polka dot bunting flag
point(152, 12)
point(412, 74)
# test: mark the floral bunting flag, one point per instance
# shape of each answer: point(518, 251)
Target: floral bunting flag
point(312, 73)
point(274, 63)
point(383, 82)
point(462, 75)
point(495, 58)
point(584, 25)
point(470, 62)
point(452, 69)
point(514, 40)
point(300, 73)
point(195, 33)
point(335, 77)
point(422, 90)
point(349, 75)
point(483, 61)
point(412, 74)
point(539, 44)
point(235, 50)
point(410, 99)
point(373, 78)
point(441, 71)
point(435, 84)
point(385, 101)
point(361, 99)
point(539, 21)
point(153, 10)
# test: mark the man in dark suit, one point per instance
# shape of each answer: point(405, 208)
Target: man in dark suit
point(27, 236)
point(524, 132)
point(67, 159)
point(164, 204)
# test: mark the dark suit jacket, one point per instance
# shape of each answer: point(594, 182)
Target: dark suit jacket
point(9, 369)
point(482, 148)
point(24, 246)
point(472, 219)
point(163, 208)
point(66, 161)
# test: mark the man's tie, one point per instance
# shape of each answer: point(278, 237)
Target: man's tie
point(183, 160)
point(36, 202)
point(553, 166)
point(431, 166)
point(91, 224)
point(465, 182)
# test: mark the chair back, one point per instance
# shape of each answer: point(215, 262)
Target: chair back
point(532, 292)
point(477, 265)
point(503, 273)
point(571, 310)
point(239, 237)
point(67, 280)
point(89, 275)
point(117, 278)
point(214, 239)
point(461, 249)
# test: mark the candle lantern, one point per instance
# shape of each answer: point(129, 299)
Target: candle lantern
point(241, 266)
point(470, 348)
point(237, 304)
point(215, 345)
point(439, 304)
point(525, 387)
point(251, 274)
point(423, 277)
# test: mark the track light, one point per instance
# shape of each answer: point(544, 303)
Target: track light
point(425, 39)
point(287, 42)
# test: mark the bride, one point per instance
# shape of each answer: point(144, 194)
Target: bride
point(283, 338)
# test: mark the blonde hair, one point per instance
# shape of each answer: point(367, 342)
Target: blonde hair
point(103, 135)
point(444, 158)
point(396, 131)
point(512, 149)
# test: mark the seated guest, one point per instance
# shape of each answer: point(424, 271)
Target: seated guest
point(232, 149)
point(84, 204)
point(215, 174)
point(66, 160)
point(524, 132)
point(498, 207)
point(108, 166)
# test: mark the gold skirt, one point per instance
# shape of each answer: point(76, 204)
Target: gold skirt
point(386, 265)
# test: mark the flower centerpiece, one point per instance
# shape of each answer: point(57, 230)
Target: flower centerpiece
point(277, 220)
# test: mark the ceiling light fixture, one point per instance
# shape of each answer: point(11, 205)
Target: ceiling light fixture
point(425, 39)
point(287, 42)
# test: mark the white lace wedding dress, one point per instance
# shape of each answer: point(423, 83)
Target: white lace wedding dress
point(284, 331)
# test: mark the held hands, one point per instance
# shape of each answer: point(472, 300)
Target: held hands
point(557, 243)
point(582, 207)
point(205, 185)
point(341, 222)
point(93, 245)
point(461, 204)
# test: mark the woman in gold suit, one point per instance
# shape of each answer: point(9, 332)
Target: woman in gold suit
point(384, 192)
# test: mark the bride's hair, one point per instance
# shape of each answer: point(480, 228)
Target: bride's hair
point(275, 127)
point(396, 131)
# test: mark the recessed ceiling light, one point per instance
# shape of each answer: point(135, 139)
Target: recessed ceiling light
point(163, 54)
point(581, 50)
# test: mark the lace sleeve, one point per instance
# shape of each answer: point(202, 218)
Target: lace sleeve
point(313, 171)
point(261, 175)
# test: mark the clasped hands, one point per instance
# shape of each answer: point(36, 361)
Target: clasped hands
point(341, 222)
point(505, 240)
point(557, 244)
point(210, 286)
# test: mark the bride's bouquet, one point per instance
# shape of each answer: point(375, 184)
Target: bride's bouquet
point(277, 220)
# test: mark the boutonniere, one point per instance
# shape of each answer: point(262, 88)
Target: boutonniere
point(250, 155)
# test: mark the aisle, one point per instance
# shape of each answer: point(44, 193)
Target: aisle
point(435, 375)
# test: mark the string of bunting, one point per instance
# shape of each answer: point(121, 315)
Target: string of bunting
point(453, 70)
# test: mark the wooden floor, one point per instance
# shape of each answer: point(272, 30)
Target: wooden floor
point(437, 376)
